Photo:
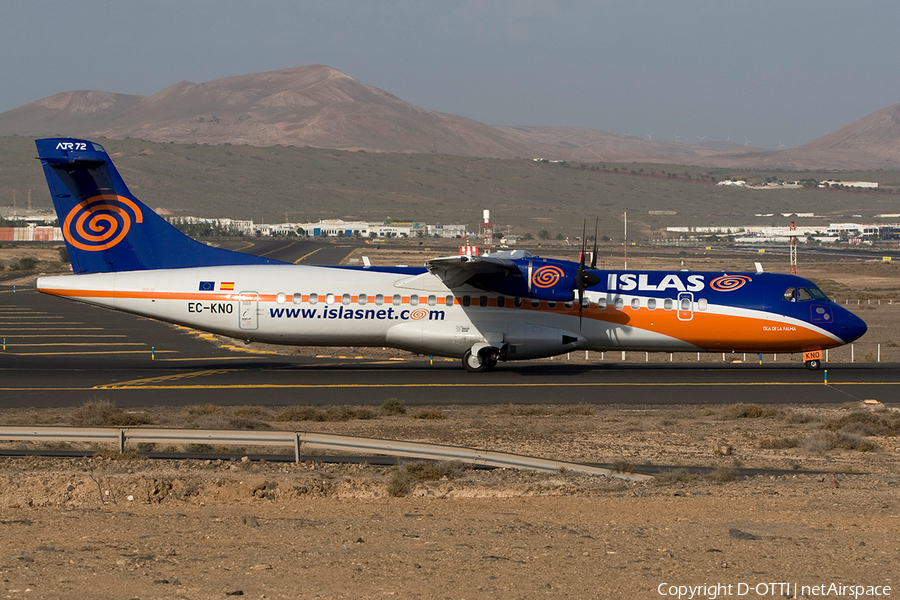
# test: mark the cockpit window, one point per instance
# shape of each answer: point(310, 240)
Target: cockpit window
point(804, 294)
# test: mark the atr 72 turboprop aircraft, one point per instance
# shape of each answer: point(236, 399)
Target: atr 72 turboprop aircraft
point(482, 309)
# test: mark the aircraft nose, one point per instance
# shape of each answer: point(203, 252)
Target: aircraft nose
point(851, 327)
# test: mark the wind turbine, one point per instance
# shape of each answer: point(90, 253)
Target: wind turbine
point(677, 138)
point(649, 136)
point(701, 138)
point(780, 145)
point(746, 141)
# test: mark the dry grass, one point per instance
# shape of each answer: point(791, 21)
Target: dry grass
point(103, 413)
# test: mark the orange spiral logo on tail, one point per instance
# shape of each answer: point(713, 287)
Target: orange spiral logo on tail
point(100, 222)
point(547, 276)
point(728, 283)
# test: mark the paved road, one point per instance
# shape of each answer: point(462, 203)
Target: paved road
point(301, 251)
point(61, 353)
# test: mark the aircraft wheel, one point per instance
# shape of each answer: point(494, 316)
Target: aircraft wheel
point(813, 365)
point(484, 360)
point(474, 363)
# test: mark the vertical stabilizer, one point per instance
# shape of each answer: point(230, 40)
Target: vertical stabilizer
point(105, 227)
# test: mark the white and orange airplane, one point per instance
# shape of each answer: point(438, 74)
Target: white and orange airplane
point(482, 309)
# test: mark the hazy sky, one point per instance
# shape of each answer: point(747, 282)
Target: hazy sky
point(767, 71)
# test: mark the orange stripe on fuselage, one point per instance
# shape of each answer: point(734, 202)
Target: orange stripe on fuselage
point(706, 330)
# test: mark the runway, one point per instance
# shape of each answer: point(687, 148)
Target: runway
point(61, 353)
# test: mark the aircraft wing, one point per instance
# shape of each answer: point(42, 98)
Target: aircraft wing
point(455, 271)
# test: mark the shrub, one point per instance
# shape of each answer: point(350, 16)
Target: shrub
point(393, 406)
point(298, 413)
point(103, 413)
point(26, 263)
point(822, 441)
point(406, 476)
point(750, 411)
point(866, 423)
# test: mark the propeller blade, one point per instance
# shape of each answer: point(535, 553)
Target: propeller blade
point(594, 253)
point(579, 277)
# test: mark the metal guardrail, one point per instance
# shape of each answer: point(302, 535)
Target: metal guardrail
point(297, 439)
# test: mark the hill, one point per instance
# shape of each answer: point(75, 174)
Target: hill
point(321, 107)
point(306, 184)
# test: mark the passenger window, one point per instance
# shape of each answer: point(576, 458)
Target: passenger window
point(298, 298)
point(551, 304)
point(651, 303)
point(345, 299)
point(620, 304)
point(482, 301)
point(601, 303)
point(467, 300)
point(280, 298)
point(635, 303)
point(396, 300)
point(701, 304)
point(379, 299)
point(329, 299)
point(535, 304)
point(789, 295)
point(517, 302)
point(432, 300)
point(685, 304)
point(448, 301)
point(363, 299)
point(668, 304)
point(501, 301)
point(313, 298)
point(571, 304)
point(413, 300)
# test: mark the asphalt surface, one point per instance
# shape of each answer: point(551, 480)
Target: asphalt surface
point(61, 353)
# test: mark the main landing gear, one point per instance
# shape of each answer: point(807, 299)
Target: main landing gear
point(481, 358)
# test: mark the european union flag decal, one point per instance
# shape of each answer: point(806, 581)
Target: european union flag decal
point(207, 286)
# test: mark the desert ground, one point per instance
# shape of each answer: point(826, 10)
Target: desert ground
point(821, 509)
point(826, 510)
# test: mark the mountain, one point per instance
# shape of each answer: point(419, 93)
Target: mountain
point(321, 107)
point(869, 140)
point(304, 106)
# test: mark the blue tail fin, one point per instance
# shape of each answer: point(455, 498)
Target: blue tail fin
point(105, 227)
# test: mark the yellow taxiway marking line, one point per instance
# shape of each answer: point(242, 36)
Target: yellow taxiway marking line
point(249, 350)
point(142, 382)
point(79, 335)
point(82, 353)
point(286, 386)
point(5, 329)
point(297, 262)
point(19, 318)
point(17, 345)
